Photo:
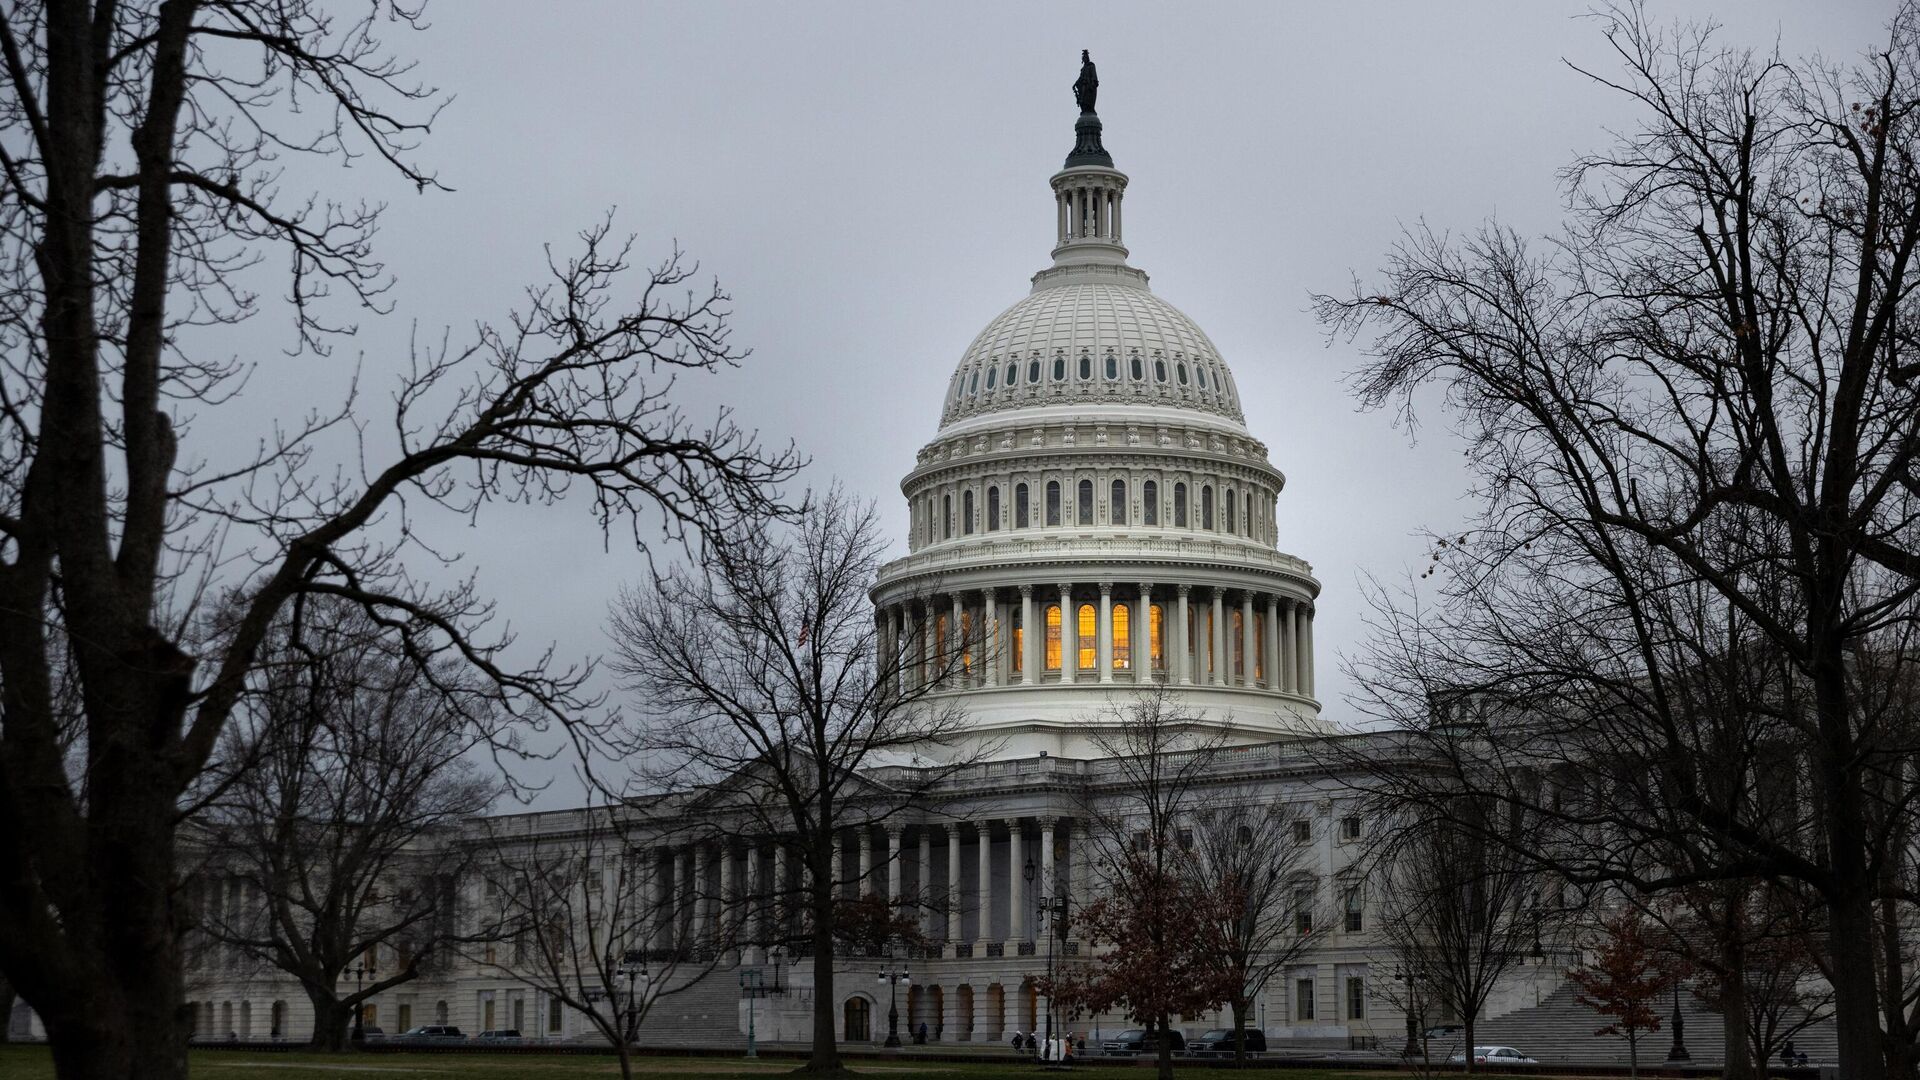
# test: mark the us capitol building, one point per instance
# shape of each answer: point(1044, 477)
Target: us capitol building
point(1095, 502)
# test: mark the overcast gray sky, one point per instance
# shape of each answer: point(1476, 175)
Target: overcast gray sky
point(870, 182)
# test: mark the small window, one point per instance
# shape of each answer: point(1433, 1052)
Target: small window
point(1150, 503)
point(1231, 503)
point(992, 373)
point(1244, 836)
point(1134, 368)
point(1303, 999)
point(973, 384)
point(1303, 831)
point(1199, 376)
point(1303, 909)
point(1180, 506)
point(1117, 503)
point(1033, 371)
point(993, 509)
point(1353, 910)
point(1113, 367)
point(1356, 998)
point(1350, 827)
point(1185, 839)
point(1086, 367)
point(1020, 506)
point(1206, 507)
point(1088, 630)
point(1053, 637)
point(946, 502)
point(1059, 369)
point(1180, 372)
point(1084, 512)
point(1013, 372)
point(966, 512)
point(1159, 371)
point(1053, 502)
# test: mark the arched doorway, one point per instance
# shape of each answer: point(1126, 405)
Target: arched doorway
point(279, 1019)
point(965, 1010)
point(856, 1020)
point(937, 1005)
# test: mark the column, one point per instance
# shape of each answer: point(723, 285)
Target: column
point(1034, 636)
point(1117, 197)
point(1049, 887)
point(697, 885)
point(1306, 652)
point(1140, 634)
point(660, 899)
point(993, 653)
point(1217, 639)
point(1069, 636)
point(778, 900)
point(756, 911)
point(894, 868)
point(866, 861)
point(956, 647)
point(723, 913)
point(1289, 662)
point(1252, 662)
point(840, 874)
point(953, 890)
point(929, 663)
point(1273, 641)
point(983, 924)
point(1016, 898)
point(1104, 628)
point(924, 894)
point(1182, 665)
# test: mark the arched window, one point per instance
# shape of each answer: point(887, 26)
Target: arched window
point(1231, 502)
point(966, 641)
point(1238, 628)
point(1059, 369)
point(1086, 367)
point(1013, 371)
point(1249, 518)
point(1020, 506)
point(1180, 372)
point(946, 502)
point(1117, 503)
point(1159, 371)
point(1150, 503)
point(973, 384)
point(1084, 512)
point(1053, 502)
point(992, 374)
point(1089, 645)
point(1199, 376)
point(1157, 636)
point(1019, 640)
point(993, 508)
point(1135, 368)
point(1206, 507)
point(1053, 637)
point(966, 512)
point(1180, 506)
point(940, 637)
point(1033, 371)
point(1113, 367)
point(1122, 638)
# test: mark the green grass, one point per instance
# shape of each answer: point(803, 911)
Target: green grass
point(34, 1063)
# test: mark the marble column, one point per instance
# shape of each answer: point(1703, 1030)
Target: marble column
point(661, 900)
point(1306, 652)
point(756, 926)
point(840, 874)
point(993, 651)
point(1140, 634)
point(1069, 636)
point(954, 663)
point(1250, 660)
point(983, 922)
point(1016, 898)
point(1289, 661)
point(697, 886)
point(954, 900)
point(1217, 640)
point(1104, 630)
point(866, 861)
point(1182, 658)
point(777, 902)
point(894, 867)
point(724, 914)
point(1272, 616)
point(1029, 665)
point(923, 895)
point(1049, 887)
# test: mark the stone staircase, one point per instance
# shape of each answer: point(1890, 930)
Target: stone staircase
point(706, 1013)
point(1560, 1031)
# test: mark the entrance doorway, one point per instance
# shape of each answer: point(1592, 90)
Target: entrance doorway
point(857, 1020)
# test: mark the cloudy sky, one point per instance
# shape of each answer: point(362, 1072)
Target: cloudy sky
point(870, 183)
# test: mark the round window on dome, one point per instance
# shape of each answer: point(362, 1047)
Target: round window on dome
point(1159, 371)
point(1113, 367)
point(1181, 373)
point(1136, 370)
point(1033, 371)
point(1086, 367)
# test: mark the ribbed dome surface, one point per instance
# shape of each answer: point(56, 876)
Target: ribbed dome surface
point(1099, 341)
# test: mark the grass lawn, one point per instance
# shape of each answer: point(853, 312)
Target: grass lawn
point(34, 1063)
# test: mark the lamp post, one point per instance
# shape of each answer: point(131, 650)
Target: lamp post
point(753, 984)
point(893, 974)
point(1054, 910)
point(1678, 1052)
point(359, 1008)
point(633, 964)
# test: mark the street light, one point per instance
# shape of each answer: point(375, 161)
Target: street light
point(753, 984)
point(1678, 1052)
point(893, 974)
point(1054, 910)
point(359, 1007)
point(633, 964)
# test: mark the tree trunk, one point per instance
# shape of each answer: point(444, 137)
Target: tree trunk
point(825, 1055)
point(1739, 1043)
point(331, 1019)
point(1856, 1016)
point(1239, 1033)
point(1166, 1047)
point(6, 1011)
point(625, 1054)
point(1466, 1051)
point(1633, 1055)
point(110, 1040)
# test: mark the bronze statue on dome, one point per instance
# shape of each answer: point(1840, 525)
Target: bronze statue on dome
point(1087, 86)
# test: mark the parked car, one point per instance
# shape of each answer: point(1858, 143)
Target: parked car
point(370, 1032)
point(433, 1031)
point(499, 1035)
point(1493, 1055)
point(1141, 1041)
point(1219, 1043)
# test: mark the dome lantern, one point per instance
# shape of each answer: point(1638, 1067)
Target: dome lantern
point(1087, 191)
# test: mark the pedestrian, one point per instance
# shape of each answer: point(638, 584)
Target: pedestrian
point(920, 1036)
point(1017, 1040)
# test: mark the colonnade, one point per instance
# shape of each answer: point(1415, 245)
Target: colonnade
point(1087, 210)
point(1105, 633)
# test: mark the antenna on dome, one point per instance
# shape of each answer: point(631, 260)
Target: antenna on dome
point(1086, 130)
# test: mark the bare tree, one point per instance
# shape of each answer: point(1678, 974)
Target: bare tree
point(339, 813)
point(1456, 911)
point(1151, 925)
point(576, 921)
point(1692, 417)
point(762, 675)
point(1247, 868)
point(141, 184)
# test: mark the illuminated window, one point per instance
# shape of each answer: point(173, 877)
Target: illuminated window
point(966, 512)
point(1117, 503)
point(1089, 627)
point(1085, 510)
point(966, 641)
point(1053, 502)
point(1150, 503)
point(1193, 639)
point(993, 508)
point(1053, 637)
point(1239, 625)
point(1180, 505)
point(1259, 649)
point(1157, 635)
point(940, 637)
point(1206, 507)
point(1020, 506)
point(1019, 641)
point(1122, 638)
point(1230, 504)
